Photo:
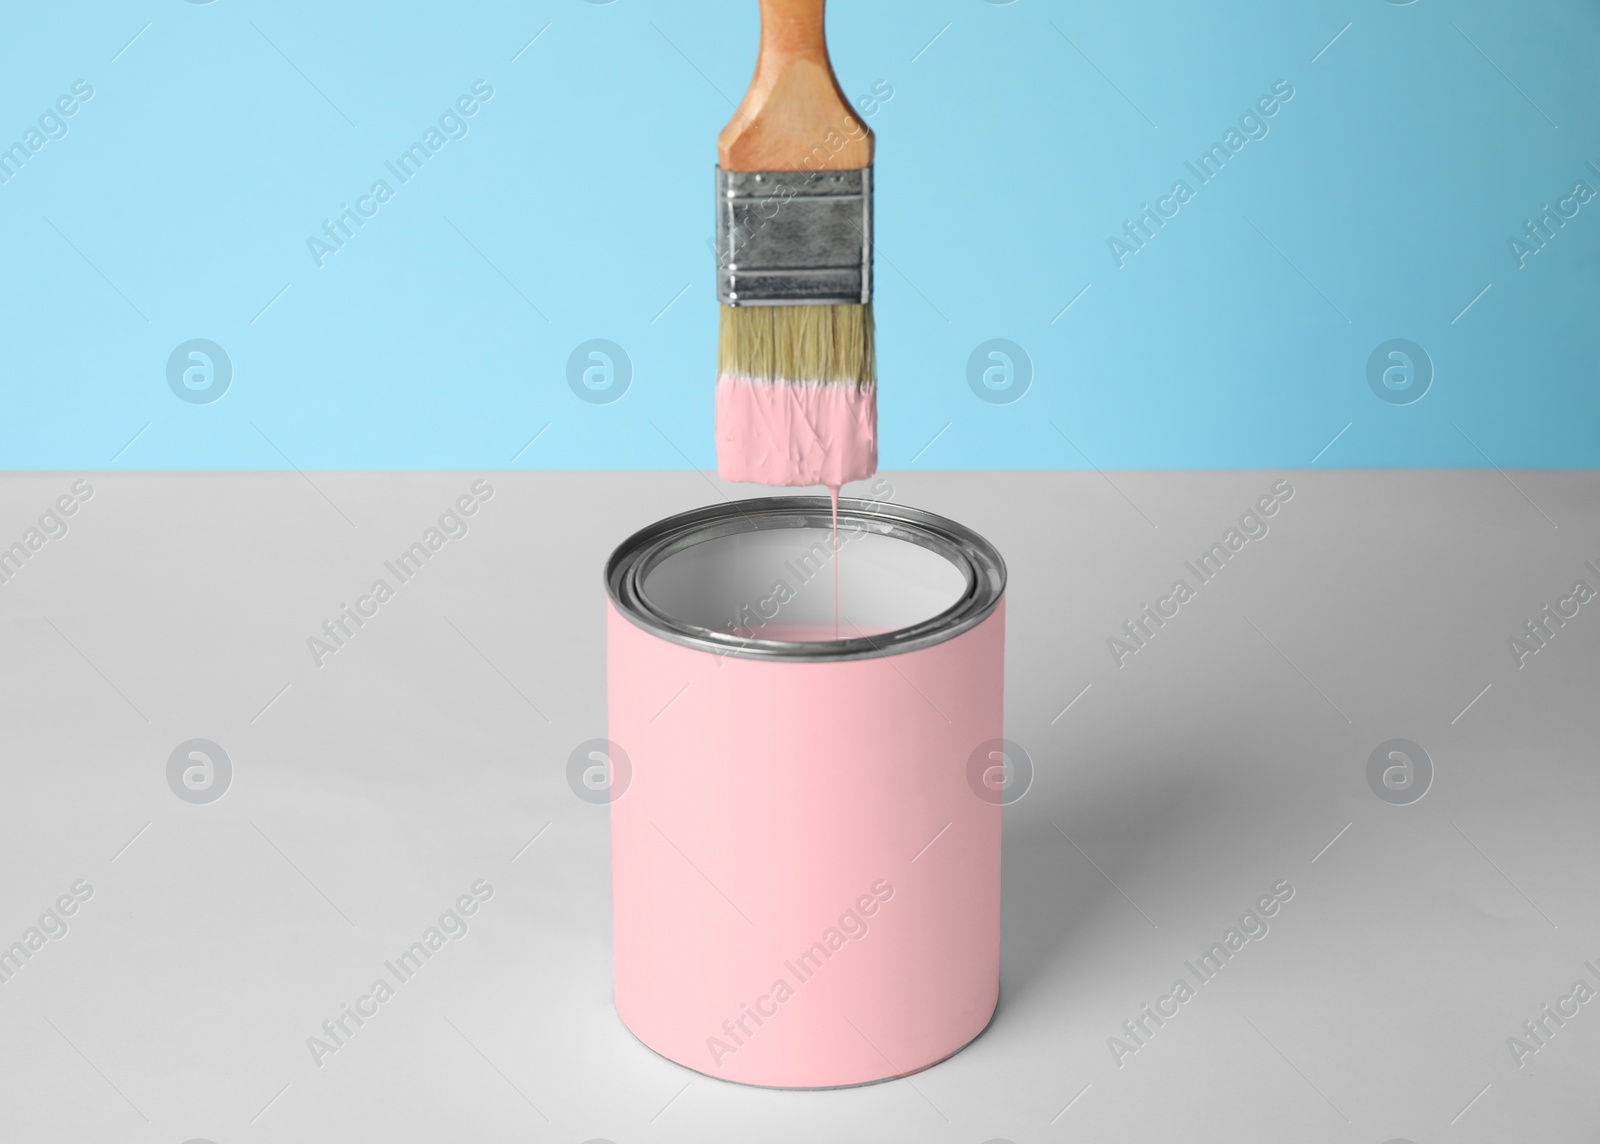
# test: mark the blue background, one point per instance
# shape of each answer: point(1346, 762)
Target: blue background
point(180, 202)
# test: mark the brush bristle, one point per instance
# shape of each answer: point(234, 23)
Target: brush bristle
point(798, 343)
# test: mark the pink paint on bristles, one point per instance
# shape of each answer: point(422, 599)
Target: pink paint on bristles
point(796, 433)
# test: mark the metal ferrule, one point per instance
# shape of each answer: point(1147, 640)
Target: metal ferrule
point(794, 238)
point(980, 564)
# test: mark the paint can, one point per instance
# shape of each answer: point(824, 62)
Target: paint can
point(805, 824)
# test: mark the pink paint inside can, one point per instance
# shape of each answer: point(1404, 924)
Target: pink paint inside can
point(806, 865)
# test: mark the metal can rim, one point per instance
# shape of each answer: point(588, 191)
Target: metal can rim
point(978, 560)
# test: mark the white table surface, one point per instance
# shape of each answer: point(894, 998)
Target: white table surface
point(368, 793)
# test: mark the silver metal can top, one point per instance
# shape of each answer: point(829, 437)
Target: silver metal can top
point(755, 579)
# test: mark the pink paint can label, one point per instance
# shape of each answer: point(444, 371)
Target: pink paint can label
point(806, 881)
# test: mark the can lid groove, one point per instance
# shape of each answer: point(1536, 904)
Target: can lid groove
point(978, 561)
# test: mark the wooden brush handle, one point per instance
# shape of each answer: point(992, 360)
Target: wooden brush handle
point(794, 117)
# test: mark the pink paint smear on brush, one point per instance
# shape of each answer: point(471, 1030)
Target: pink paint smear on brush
point(796, 433)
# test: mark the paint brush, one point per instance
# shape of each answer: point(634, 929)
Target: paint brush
point(796, 376)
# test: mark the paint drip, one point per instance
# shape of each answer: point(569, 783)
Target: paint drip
point(833, 497)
